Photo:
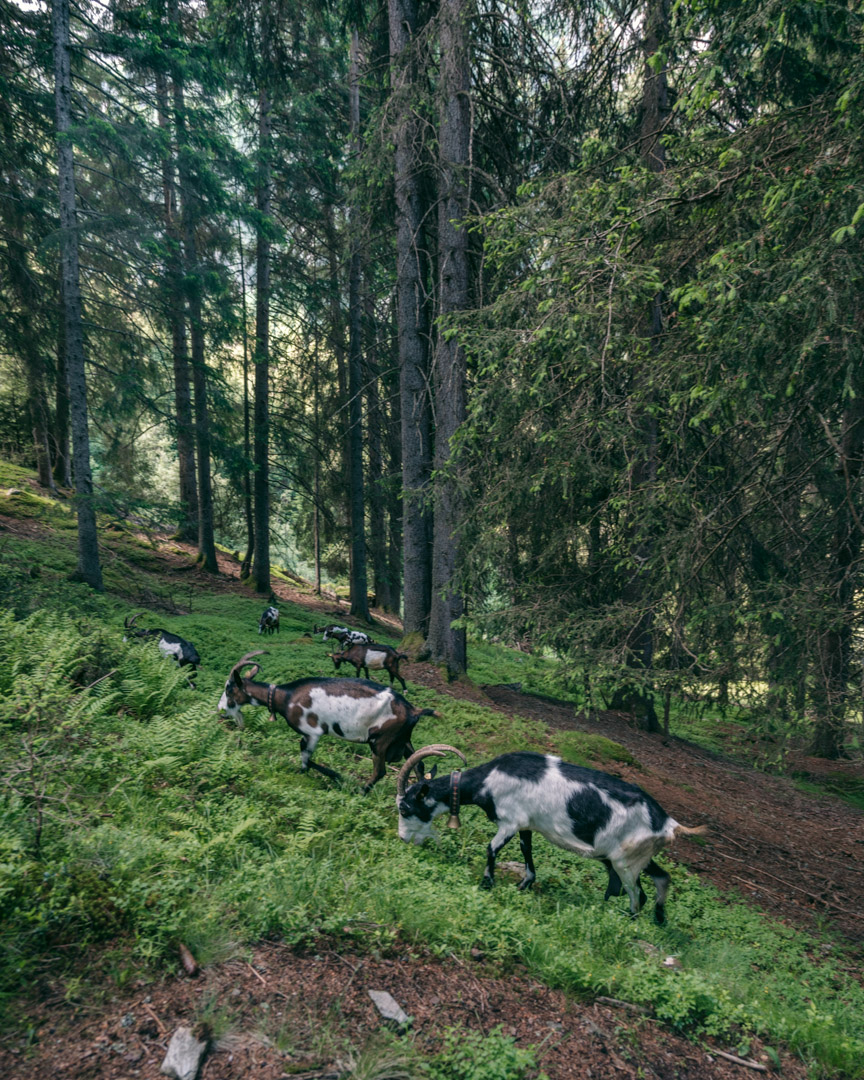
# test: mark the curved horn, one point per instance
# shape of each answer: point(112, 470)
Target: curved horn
point(246, 660)
point(129, 623)
point(434, 750)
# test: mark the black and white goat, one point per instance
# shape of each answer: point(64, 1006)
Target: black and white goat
point(184, 652)
point(590, 813)
point(377, 657)
point(356, 710)
point(269, 621)
point(343, 635)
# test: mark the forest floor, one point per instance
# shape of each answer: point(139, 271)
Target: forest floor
point(795, 855)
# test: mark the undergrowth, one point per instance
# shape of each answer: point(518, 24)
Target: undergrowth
point(130, 812)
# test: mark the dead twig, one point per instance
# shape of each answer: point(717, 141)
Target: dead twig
point(622, 1005)
point(746, 1062)
point(163, 1030)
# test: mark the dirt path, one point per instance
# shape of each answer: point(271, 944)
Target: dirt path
point(306, 1015)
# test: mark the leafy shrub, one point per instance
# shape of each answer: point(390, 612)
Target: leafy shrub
point(471, 1055)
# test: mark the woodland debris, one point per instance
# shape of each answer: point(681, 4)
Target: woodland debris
point(389, 1008)
point(185, 1054)
point(746, 1062)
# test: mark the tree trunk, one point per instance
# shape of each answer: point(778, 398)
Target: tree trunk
point(831, 691)
point(638, 696)
point(393, 420)
point(375, 426)
point(412, 272)
point(261, 565)
point(37, 407)
point(337, 344)
point(89, 569)
point(194, 289)
point(447, 644)
point(188, 526)
point(246, 565)
point(359, 597)
point(62, 457)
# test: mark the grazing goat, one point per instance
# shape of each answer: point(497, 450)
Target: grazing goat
point(343, 635)
point(184, 652)
point(377, 657)
point(591, 813)
point(269, 621)
point(352, 709)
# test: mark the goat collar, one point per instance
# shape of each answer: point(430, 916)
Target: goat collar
point(455, 779)
point(271, 694)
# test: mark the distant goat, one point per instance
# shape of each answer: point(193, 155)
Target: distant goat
point(184, 652)
point(377, 657)
point(352, 709)
point(343, 635)
point(590, 813)
point(269, 621)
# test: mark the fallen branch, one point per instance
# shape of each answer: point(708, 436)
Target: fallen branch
point(153, 1016)
point(623, 1005)
point(257, 975)
point(746, 1062)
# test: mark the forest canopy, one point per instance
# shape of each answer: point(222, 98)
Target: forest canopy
point(539, 322)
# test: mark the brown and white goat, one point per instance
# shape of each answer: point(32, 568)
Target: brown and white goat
point(351, 709)
point(375, 656)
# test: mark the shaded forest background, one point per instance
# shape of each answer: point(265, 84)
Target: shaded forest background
point(539, 321)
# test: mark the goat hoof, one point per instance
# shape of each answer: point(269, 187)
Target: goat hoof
point(525, 884)
point(486, 882)
point(659, 915)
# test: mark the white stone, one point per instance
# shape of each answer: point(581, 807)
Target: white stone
point(389, 1008)
point(184, 1057)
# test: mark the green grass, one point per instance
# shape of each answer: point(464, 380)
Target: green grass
point(130, 813)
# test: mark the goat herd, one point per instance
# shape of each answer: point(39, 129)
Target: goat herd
point(591, 813)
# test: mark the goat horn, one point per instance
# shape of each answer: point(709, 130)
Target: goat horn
point(247, 659)
point(128, 622)
point(435, 750)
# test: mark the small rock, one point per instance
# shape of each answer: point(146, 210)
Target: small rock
point(128, 1020)
point(184, 1057)
point(674, 963)
point(389, 1008)
point(477, 954)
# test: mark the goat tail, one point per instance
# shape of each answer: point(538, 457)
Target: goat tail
point(402, 656)
point(683, 830)
point(428, 712)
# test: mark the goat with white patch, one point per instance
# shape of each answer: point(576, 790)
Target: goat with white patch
point(356, 710)
point(590, 813)
point(269, 621)
point(343, 635)
point(184, 652)
point(375, 656)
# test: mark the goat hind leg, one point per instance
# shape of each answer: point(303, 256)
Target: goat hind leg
point(525, 847)
point(662, 881)
point(629, 877)
point(307, 749)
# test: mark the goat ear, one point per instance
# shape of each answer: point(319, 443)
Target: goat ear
point(433, 772)
point(238, 678)
point(424, 791)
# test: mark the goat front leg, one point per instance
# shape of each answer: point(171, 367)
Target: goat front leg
point(662, 881)
point(307, 749)
point(379, 767)
point(525, 846)
point(505, 833)
point(614, 886)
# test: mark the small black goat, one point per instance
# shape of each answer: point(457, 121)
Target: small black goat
point(184, 652)
point(375, 656)
point(590, 813)
point(352, 709)
point(269, 621)
point(343, 635)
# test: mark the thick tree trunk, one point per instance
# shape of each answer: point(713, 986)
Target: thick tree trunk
point(359, 597)
point(337, 343)
point(246, 565)
point(194, 290)
point(638, 697)
point(447, 644)
point(39, 419)
point(89, 569)
point(412, 271)
point(831, 690)
point(62, 457)
point(393, 420)
point(261, 565)
point(375, 426)
point(188, 526)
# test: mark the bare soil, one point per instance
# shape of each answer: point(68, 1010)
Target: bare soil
point(303, 1015)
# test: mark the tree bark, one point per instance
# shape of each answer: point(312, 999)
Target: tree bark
point(412, 271)
point(446, 644)
point(261, 565)
point(194, 290)
point(188, 526)
point(246, 565)
point(357, 502)
point(88, 569)
point(62, 457)
point(638, 697)
point(375, 426)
